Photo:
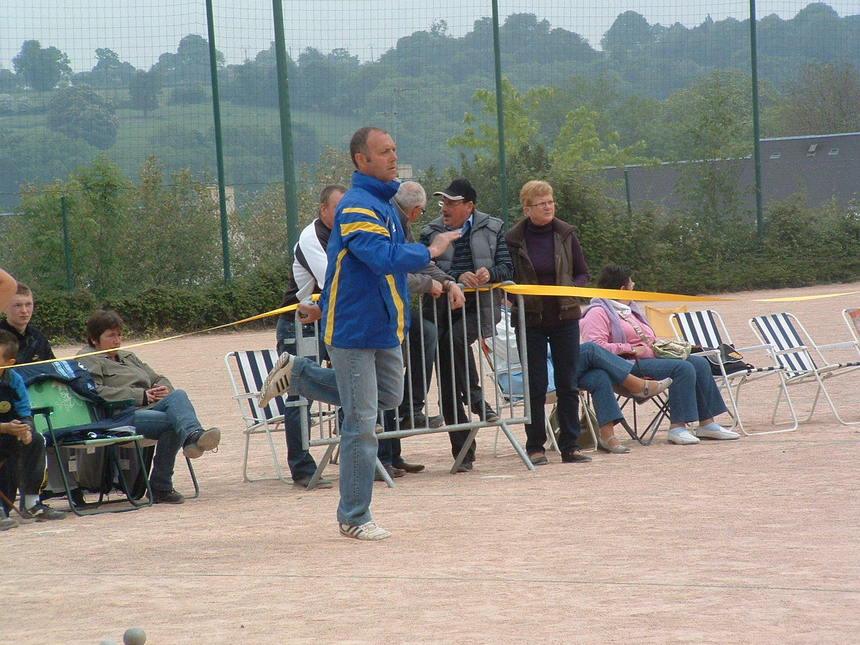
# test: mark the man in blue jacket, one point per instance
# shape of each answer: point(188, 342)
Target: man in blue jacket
point(365, 307)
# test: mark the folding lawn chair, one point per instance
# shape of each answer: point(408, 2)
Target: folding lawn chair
point(802, 361)
point(507, 375)
point(646, 435)
point(707, 330)
point(852, 319)
point(251, 367)
point(73, 424)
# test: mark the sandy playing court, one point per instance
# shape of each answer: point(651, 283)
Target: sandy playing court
point(751, 541)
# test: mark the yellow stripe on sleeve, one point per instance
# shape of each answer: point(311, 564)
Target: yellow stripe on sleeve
point(398, 303)
point(367, 227)
point(332, 300)
point(363, 211)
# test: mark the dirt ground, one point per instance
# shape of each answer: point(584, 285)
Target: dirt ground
point(750, 541)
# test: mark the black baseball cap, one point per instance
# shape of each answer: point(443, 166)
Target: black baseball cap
point(459, 189)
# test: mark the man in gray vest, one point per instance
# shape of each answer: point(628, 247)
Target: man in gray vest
point(480, 256)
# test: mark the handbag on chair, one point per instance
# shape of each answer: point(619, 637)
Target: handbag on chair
point(663, 347)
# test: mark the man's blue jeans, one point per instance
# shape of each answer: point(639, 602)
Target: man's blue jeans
point(169, 422)
point(693, 395)
point(300, 461)
point(368, 380)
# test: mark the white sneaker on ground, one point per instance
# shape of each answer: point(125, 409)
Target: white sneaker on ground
point(715, 431)
point(278, 380)
point(366, 531)
point(682, 436)
point(7, 523)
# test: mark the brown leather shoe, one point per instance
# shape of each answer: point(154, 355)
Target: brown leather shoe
point(410, 468)
point(393, 472)
point(574, 457)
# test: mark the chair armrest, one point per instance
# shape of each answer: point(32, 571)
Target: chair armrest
point(246, 395)
point(848, 343)
point(706, 352)
point(753, 348)
point(45, 409)
point(792, 350)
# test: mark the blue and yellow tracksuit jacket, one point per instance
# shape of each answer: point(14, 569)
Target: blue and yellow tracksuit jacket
point(365, 302)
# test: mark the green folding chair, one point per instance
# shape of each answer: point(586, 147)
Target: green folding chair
point(70, 422)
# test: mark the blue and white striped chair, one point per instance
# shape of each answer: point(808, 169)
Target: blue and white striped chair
point(706, 329)
point(802, 361)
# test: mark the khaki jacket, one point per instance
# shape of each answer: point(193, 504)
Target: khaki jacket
point(127, 378)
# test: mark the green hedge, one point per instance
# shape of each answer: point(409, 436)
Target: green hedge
point(675, 253)
point(62, 315)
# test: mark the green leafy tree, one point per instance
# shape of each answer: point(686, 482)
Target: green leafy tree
point(823, 99)
point(96, 197)
point(580, 147)
point(36, 157)
point(258, 230)
point(143, 90)
point(41, 69)
point(481, 135)
point(712, 116)
point(190, 63)
point(108, 72)
point(577, 145)
point(630, 32)
point(8, 81)
point(176, 229)
point(81, 113)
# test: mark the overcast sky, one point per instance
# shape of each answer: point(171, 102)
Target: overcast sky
point(140, 30)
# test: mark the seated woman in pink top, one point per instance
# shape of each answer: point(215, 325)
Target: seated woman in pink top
point(620, 327)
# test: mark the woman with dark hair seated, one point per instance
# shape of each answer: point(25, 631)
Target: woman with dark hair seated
point(163, 413)
point(620, 327)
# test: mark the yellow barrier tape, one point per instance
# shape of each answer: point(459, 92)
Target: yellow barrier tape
point(273, 312)
point(801, 298)
point(588, 292)
point(516, 289)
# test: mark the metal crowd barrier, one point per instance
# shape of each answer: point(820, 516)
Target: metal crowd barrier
point(504, 385)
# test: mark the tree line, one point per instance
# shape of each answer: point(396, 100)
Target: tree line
point(631, 97)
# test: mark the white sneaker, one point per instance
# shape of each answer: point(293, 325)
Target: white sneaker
point(277, 381)
point(715, 431)
point(366, 531)
point(682, 436)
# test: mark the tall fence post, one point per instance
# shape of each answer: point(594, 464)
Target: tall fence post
point(219, 142)
point(500, 114)
point(290, 199)
point(627, 193)
point(759, 210)
point(67, 245)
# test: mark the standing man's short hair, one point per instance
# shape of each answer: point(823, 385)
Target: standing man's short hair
point(409, 195)
point(359, 142)
point(328, 189)
point(23, 290)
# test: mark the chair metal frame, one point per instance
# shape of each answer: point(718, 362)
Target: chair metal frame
point(706, 329)
point(646, 436)
point(793, 347)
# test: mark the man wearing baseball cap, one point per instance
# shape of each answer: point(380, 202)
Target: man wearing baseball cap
point(480, 256)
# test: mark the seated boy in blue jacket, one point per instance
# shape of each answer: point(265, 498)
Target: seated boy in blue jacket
point(22, 449)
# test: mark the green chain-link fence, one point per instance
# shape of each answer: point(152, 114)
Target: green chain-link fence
point(107, 107)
